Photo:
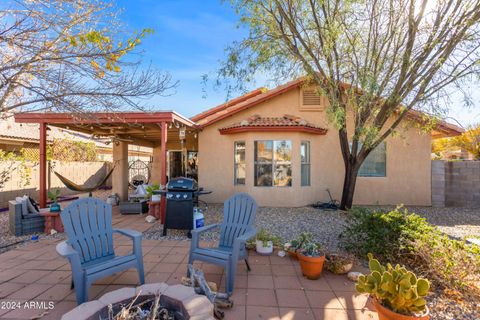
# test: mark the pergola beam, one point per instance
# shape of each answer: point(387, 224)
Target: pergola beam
point(104, 118)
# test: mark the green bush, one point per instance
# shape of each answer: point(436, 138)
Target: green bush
point(406, 238)
point(384, 234)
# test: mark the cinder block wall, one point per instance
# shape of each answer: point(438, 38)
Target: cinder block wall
point(456, 183)
point(438, 183)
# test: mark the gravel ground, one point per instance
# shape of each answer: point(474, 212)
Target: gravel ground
point(327, 225)
point(286, 223)
point(451, 306)
point(456, 222)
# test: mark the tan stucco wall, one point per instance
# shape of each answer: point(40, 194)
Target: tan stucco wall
point(408, 162)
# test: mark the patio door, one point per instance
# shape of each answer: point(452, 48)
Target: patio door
point(175, 164)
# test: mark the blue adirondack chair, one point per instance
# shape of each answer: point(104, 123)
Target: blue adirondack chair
point(239, 214)
point(89, 248)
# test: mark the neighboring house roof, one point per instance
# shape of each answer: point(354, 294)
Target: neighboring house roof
point(285, 123)
point(255, 97)
point(30, 132)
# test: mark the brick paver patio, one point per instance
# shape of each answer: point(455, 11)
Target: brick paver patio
point(274, 289)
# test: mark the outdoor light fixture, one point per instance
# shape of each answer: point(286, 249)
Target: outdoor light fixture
point(181, 133)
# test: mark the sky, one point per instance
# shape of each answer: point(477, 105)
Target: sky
point(189, 41)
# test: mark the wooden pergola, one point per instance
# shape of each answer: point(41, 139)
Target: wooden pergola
point(158, 130)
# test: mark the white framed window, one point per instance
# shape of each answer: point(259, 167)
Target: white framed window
point(273, 163)
point(305, 163)
point(239, 163)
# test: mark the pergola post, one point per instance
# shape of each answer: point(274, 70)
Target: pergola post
point(163, 166)
point(120, 174)
point(43, 166)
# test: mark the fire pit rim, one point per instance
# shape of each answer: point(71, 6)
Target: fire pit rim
point(197, 306)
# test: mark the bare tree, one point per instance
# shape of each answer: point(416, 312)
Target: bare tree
point(378, 62)
point(71, 56)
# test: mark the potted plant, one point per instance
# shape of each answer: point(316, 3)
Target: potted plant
point(150, 195)
point(53, 196)
point(396, 292)
point(338, 264)
point(294, 245)
point(264, 242)
point(311, 260)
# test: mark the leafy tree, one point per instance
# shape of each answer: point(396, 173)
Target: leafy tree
point(468, 141)
point(71, 56)
point(378, 62)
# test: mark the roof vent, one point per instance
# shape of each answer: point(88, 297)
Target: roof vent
point(311, 98)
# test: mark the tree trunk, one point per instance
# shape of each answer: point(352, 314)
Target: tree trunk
point(351, 171)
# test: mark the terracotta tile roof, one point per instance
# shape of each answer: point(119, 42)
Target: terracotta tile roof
point(285, 123)
point(244, 102)
point(257, 96)
point(227, 104)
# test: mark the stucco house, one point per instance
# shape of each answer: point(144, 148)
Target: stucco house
point(278, 146)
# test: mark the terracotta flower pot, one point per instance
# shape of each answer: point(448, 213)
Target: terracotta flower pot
point(311, 266)
point(293, 254)
point(387, 314)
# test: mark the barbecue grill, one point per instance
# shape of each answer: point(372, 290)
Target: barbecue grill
point(181, 195)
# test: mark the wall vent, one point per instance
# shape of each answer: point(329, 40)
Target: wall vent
point(311, 98)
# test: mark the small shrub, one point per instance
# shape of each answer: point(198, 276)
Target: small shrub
point(297, 243)
point(409, 239)
point(447, 262)
point(264, 236)
point(382, 233)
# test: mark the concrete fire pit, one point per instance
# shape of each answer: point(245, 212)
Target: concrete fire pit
point(176, 298)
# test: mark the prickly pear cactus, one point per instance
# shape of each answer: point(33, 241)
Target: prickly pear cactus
point(395, 287)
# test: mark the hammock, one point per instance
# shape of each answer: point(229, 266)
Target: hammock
point(75, 187)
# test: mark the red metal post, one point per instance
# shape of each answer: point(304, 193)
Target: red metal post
point(43, 166)
point(163, 164)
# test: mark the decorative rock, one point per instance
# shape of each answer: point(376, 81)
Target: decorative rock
point(117, 296)
point(150, 219)
point(179, 292)
point(84, 311)
point(353, 276)
point(53, 231)
point(199, 306)
point(152, 288)
point(474, 241)
point(281, 253)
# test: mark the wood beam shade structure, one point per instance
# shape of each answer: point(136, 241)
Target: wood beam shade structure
point(147, 129)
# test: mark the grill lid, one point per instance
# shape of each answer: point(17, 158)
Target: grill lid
point(181, 183)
